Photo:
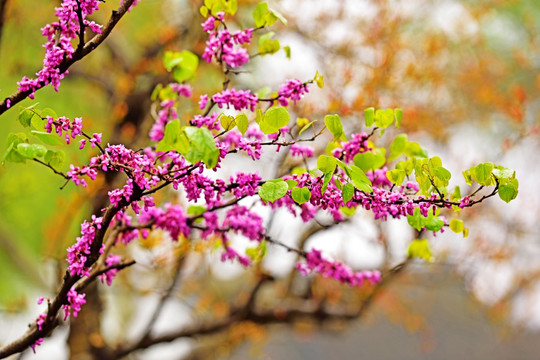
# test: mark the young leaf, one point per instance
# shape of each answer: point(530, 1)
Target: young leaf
point(398, 146)
point(202, 146)
point(273, 190)
point(456, 225)
point(348, 192)
point(327, 178)
point(482, 173)
point(274, 119)
point(396, 176)
point(48, 138)
point(326, 163)
point(242, 123)
point(399, 116)
point(333, 123)
point(420, 249)
point(369, 115)
point(31, 151)
point(360, 180)
point(301, 195)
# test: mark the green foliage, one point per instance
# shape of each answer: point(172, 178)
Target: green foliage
point(347, 192)
point(267, 45)
point(360, 180)
point(396, 176)
point(273, 190)
point(196, 144)
point(432, 222)
point(301, 195)
point(333, 123)
point(183, 64)
point(420, 249)
point(274, 119)
point(215, 6)
point(326, 164)
point(265, 16)
point(397, 147)
point(202, 146)
point(242, 123)
point(370, 160)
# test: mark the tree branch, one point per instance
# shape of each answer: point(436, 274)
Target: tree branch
point(88, 47)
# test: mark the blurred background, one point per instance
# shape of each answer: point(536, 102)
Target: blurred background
point(466, 74)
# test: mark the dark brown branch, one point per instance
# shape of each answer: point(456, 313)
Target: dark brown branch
point(88, 47)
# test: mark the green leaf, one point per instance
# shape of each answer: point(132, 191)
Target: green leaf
point(267, 45)
point(25, 117)
point(348, 192)
point(433, 223)
point(301, 195)
point(413, 149)
point(360, 180)
point(279, 16)
point(396, 176)
point(204, 11)
point(291, 183)
point(399, 116)
point(274, 119)
point(326, 163)
point(456, 225)
point(305, 127)
point(287, 50)
point(508, 192)
point(482, 173)
point(173, 139)
point(442, 173)
point(420, 249)
point(242, 123)
point(31, 151)
point(333, 123)
point(397, 147)
point(259, 14)
point(55, 158)
point(327, 178)
point(384, 118)
point(48, 138)
point(369, 115)
point(273, 190)
point(416, 220)
point(196, 210)
point(503, 174)
point(369, 161)
point(184, 63)
point(202, 146)
point(11, 154)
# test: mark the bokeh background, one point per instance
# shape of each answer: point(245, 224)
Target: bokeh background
point(466, 74)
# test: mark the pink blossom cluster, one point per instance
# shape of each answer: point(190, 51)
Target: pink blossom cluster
point(293, 90)
point(347, 151)
point(302, 150)
point(209, 121)
point(59, 42)
point(225, 46)
point(75, 301)
point(335, 269)
point(171, 219)
point(70, 130)
point(238, 99)
point(244, 184)
point(77, 254)
point(110, 275)
point(243, 221)
point(378, 178)
point(231, 254)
